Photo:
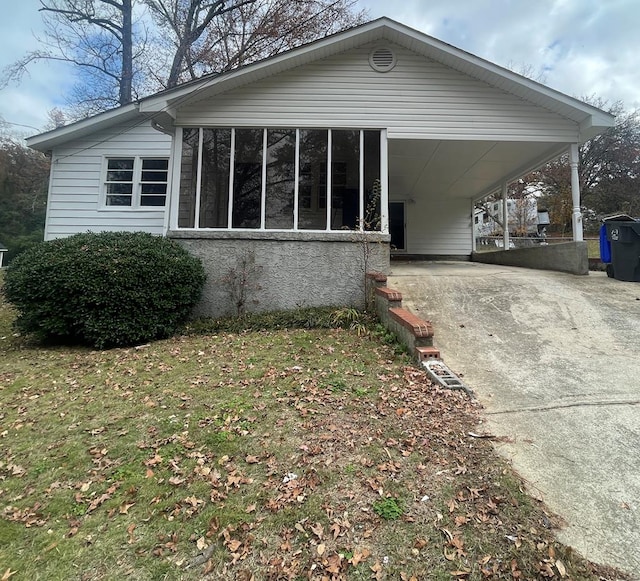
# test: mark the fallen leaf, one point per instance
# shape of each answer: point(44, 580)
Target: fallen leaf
point(321, 549)
point(561, 568)
point(233, 545)
point(157, 459)
point(318, 530)
point(251, 508)
point(449, 556)
point(252, 460)
point(359, 556)
point(125, 506)
point(130, 530)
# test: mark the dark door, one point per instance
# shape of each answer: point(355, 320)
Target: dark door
point(397, 226)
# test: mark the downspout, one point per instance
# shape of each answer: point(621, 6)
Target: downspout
point(155, 125)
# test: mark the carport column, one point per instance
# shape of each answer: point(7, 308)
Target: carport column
point(576, 216)
point(505, 215)
point(473, 226)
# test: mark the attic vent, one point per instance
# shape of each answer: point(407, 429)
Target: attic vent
point(382, 59)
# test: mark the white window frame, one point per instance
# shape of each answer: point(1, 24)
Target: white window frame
point(384, 176)
point(136, 190)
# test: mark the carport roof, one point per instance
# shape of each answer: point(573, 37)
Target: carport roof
point(590, 119)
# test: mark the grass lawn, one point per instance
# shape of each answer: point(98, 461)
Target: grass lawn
point(300, 454)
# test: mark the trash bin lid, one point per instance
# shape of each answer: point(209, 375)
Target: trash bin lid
point(618, 218)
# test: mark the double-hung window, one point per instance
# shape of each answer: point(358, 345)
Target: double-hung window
point(136, 182)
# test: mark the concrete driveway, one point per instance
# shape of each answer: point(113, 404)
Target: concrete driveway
point(555, 359)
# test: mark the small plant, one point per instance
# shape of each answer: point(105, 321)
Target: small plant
point(104, 290)
point(388, 508)
point(241, 282)
point(349, 318)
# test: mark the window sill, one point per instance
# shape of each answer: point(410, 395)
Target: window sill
point(131, 209)
point(285, 235)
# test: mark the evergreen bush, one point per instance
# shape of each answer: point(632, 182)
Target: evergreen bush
point(104, 289)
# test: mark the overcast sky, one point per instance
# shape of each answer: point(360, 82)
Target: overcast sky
point(582, 47)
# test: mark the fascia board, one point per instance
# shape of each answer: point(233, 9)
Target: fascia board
point(46, 141)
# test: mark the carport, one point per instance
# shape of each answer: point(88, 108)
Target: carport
point(554, 360)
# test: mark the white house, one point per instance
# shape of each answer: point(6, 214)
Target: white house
point(523, 217)
point(376, 139)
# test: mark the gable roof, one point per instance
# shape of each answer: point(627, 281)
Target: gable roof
point(590, 119)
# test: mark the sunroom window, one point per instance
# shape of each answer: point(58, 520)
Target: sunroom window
point(280, 179)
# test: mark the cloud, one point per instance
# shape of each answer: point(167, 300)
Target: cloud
point(45, 86)
point(582, 46)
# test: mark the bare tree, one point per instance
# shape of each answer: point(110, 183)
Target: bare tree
point(609, 171)
point(118, 59)
point(97, 37)
point(229, 35)
point(187, 21)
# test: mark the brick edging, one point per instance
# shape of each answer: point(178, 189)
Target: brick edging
point(419, 327)
point(414, 332)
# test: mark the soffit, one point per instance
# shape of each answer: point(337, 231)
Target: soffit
point(461, 169)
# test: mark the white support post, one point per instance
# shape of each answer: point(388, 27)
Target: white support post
point(196, 223)
point(296, 183)
point(473, 226)
point(361, 212)
point(173, 195)
point(329, 177)
point(505, 216)
point(576, 214)
point(384, 182)
point(263, 193)
point(232, 161)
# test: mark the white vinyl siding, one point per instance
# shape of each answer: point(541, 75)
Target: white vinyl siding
point(419, 98)
point(76, 189)
point(437, 225)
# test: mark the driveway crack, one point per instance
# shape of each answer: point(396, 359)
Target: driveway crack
point(566, 405)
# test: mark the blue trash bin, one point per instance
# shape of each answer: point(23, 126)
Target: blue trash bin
point(605, 245)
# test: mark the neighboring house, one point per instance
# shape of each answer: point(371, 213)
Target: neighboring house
point(313, 162)
point(524, 218)
point(3, 249)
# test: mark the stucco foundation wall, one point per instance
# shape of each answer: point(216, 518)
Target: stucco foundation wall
point(286, 271)
point(569, 257)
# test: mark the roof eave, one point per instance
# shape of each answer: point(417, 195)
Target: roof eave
point(591, 119)
point(47, 141)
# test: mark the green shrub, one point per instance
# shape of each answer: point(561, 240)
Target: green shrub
point(107, 289)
